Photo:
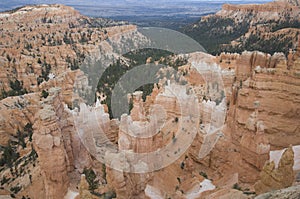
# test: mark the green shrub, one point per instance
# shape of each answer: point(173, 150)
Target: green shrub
point(29, 130)
point(104, 171)
point(4, 180)
point(15, 189)
point(10, 155)
point(203, 174)
point(91, 179)
point(176, 119)
point(110, 195)
point(237, 187)
point(16, 89)
point(21, 139)
point(45, 94)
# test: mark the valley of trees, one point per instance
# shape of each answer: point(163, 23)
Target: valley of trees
point(216, 33)
point(117, 69)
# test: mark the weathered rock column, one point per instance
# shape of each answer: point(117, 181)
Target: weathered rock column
point(52, 157)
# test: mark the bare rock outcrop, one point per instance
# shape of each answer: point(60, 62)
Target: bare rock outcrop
point(16, 112)
point(84, 192)
point(49, 145)
point(291, 192)
point(277, 178)
point(263, 82)
point(248, 61)
point(227, 194)
point(128, 185)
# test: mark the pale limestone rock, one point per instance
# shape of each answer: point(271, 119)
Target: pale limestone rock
point(291, 192)
point(44, 142)
point(282, 177)
point(137, 112)
point(56, 141)
point(277, 154)
point(153, 192)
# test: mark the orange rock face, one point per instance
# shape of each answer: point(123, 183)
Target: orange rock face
point(49, 145)
point(264, 88)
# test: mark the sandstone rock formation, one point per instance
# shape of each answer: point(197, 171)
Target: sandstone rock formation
point(252, 94)
point(49, 145)
point(277, 178)
point(46, 55)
